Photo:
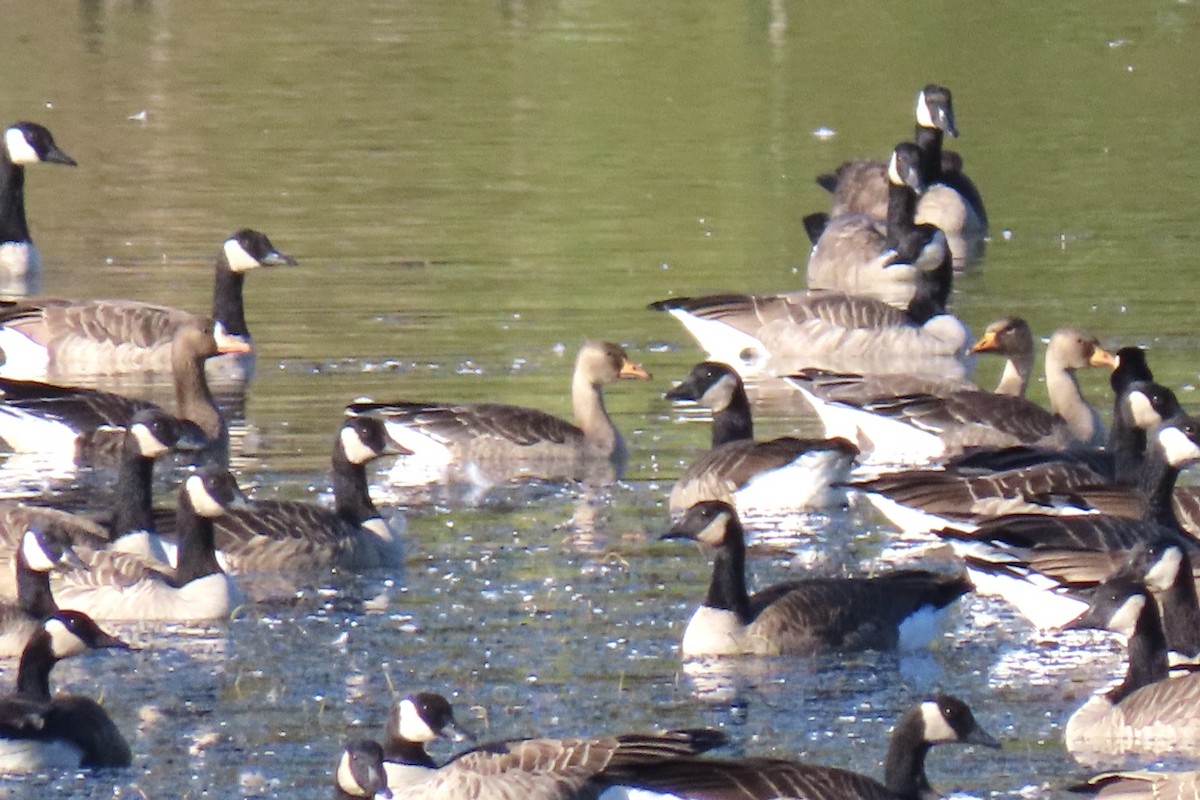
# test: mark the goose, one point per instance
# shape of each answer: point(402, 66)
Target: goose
point(952, 202)
point(77, 425)
point(920, 428)
point(940, 719)
point(806, 616)
point(448, 439)
point(274, 535)
point(1142, 785)
point(24, 143)
point(779, 474)
point(359, 771)
point(412, 722)
point(35, 557)
point(116, 586)
point(1148, 713)
point(40, 731)
point(59, 338)
point(858, 255)
point(763, 336)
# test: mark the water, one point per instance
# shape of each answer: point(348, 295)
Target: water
point(472, 189)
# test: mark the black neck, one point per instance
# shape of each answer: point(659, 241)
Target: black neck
point(402, 751)
point(1181, 612)
point(902, 207)
point(33, 673)
point(1156, 483)
point(197, 550)
point(33, 590)
point(904, 768)
point(1127, 443)
point(133, 507)
point(351, 497)
point(727, 591)
point(733, 422)
point(227, 307)
point(933, 292)
point(1147, 654)
point(929, 143)
point(12, 201)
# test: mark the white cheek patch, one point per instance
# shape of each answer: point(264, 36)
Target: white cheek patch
point(1162, 573)
point(1124, 621)
point(379, 529)
point(924, 119)
point(148, 444)
point(239, 260)
point(937, 729)
point(714, 532)
point(718, 395)
point(35, 555)
point(352, 445)
point(894, 172)
point(1143, 413)
point(20, 151)
point(204, 503)
point(346, 780)
point(63, 642)
point(412, 727)
point(1179, 449)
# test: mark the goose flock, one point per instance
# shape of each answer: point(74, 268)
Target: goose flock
point(1073, 525)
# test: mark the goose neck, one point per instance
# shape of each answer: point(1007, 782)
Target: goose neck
point(1156, 484)
point(197, 547)
point(929, 145)
point(402, 751)
point(1014, 380)
point(133, 507)
point(194, 401)
point(592, 418)
point(351, 492)
point(902, 206)
point(13, 227)
point(1147, 654)
point(1066, 400)
point(34, 596)
point(733, 423)
point(1181, 612)
point(33, 671)
point(727, 589)
point(227, 306)
point(904, 767)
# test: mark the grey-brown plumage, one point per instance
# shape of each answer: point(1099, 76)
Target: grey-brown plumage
point(1143, 785)
point(939, 720)
point(524, 441)
point(799, 617)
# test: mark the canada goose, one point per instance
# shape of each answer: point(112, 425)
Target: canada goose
point(1142, 785)
point(412, 722)
point(805, 616)
point(63, 731)
point(781, 474)
point(543, 769)
point(858, 255)
point(919, 428)
point(1149, 712)
point(777, 335)
point(80, 425)
point(57, 338)
point(116, 586)
point(35, 556)
point(446, 438)
point(359, 771)
point(295, 536)
point(951, 202)
point(941, 719)
point(24, 143)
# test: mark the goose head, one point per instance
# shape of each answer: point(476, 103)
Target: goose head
point(72, 632)
point(904, 167)
point(934, 109)
point(1008, 336)
point(211, 491)
point(1179, 440)
point(946, 719)
point(604, 362)
point(248, 249)
point(30, 143)
point(362, 439)
point(710, 383)
point(360, 771)
point(1072, 349)
point(710, 522)
point(424, 717)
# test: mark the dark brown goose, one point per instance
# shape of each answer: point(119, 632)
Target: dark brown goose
point(24, 143)
point(941, 719)
point(805, 616)
point(447, 439)
point(76, 425)
point(781, 474)
point(40, 731)
point(60, 339)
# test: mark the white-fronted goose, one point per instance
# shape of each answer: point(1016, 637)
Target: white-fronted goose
point(447, 439)
point(941, 719)
point(78, 425)
point(781, 474)
point(805, 616)
point(24, 143)
point(919, 428)
point(117, 586)
point(1143, 785)
point(40, 731)
point(890, 261)
point(59, 338)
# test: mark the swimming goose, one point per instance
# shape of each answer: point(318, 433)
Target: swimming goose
point(1143, 785)
point(359, 771)
point(941, 719)
point(780, 474)
point(117, 586)
point(919, 428)
point(36, 555)
point(79, 425)
point(57, 338)
point(951, 202)
point(41, 731)
point(24, 143)
point(412, 722)
point(892, 261)
point(805, 616)
point(295, 536)
point(447, 439)
point(776, 335)
point(1148, 712)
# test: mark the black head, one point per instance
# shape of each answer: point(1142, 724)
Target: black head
point(248, 249)
point(709, 522)
point(423, 717)
point(211, 491)
point(1179, 440)
point(934, 109)
point(904, 168)
point(1146, 405)
point(72, 632)
point(364, 438)
point(1131, 366)
point(1115, 605)
point(41, 550)
point(947, 719)
point(154, 432)
point(360, 771)
point(710, 383)
point(30, 143)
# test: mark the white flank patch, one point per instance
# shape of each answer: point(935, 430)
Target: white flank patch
point(25, 359)
point(912, 520)
point(147, 546)
point(239, 260)
point(63, 642)
point(1034, 596)
point(1162, 573)
point(378, 528)
point(20, 151)
point(1179, 449)
point(413, 726)
point(148, 444)
point(936, 728)
point(35, 555)
point(712, 632)
point(805, 484)
point(18, 259)
point(31, 433)
point(26, 755)
point(921, 628)
point(345, 777)
point(352, 445)
point(632, 793)
point(1125, 619)
point(725, 343)
point(203, 502)
point(424, 448)
point(1144, 415)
